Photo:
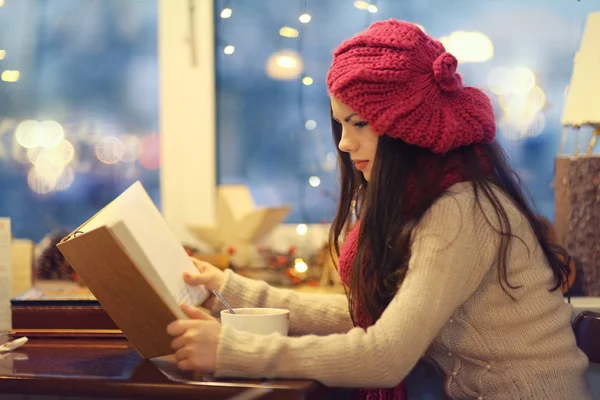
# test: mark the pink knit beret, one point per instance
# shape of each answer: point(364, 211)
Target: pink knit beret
point(405, 85)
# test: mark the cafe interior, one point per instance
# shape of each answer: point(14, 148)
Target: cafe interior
point(220, 110)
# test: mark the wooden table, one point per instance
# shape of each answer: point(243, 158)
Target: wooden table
point(111, 368)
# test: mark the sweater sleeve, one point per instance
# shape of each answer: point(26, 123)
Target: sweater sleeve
point(451, 252)
point(318, 314)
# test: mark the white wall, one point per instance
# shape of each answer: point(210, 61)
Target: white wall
point(187, 115)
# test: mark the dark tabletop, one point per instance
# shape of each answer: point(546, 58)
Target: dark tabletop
point(110, 367)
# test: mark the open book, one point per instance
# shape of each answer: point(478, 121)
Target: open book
point(133, 264)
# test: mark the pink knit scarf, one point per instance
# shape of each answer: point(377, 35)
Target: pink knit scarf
point(347, 256)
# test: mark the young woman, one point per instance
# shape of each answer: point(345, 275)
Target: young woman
point(447, 262)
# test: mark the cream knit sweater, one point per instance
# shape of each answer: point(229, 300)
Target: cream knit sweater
point(450, 308)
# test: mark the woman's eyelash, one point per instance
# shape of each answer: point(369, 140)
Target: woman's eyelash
point(360, 124)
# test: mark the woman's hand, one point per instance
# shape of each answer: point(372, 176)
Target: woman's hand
point(207, 275)
point(195, 340)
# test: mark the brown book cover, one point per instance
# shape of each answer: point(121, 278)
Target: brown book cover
point(133, 264)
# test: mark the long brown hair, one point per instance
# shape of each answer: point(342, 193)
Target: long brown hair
point(386, 225)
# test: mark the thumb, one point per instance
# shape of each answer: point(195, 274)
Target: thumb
point(193, 279)
point(195, 313)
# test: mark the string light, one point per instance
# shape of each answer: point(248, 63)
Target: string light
point(1, 3)
point(287, 62)
point(307, 81)
point(304, 15)
point(314, 181)
point(370, 6)
point(2, 52)
point(309, 124)
point(10, 76)
point(305, 18)
point(289, 32)
point(361, 5)
point(301, 229)
point(364, 5)
point(226, 13)
point(284, 65)
point(300, 266)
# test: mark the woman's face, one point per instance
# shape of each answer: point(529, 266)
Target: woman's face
point(358, 140)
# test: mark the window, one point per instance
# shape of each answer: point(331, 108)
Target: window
point(78, 108)
point(273, 130)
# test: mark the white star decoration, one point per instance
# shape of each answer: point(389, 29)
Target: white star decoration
point(239, 223)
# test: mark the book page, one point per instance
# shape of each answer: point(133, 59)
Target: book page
point(136, 254)
point(159, 248)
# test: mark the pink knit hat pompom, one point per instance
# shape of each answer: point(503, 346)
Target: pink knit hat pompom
point(444, 71)
point(405, 84)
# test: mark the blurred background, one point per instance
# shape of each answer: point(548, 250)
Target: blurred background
point(220, 109)
point(79, 95)
point(78, 108)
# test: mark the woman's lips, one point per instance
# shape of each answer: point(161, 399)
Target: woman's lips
point(361, 164)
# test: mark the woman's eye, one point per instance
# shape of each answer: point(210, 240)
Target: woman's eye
point(360, 124)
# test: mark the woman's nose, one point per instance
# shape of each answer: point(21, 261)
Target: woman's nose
point(346, 144)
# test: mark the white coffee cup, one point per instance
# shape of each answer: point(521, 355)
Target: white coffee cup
point(262, 321)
